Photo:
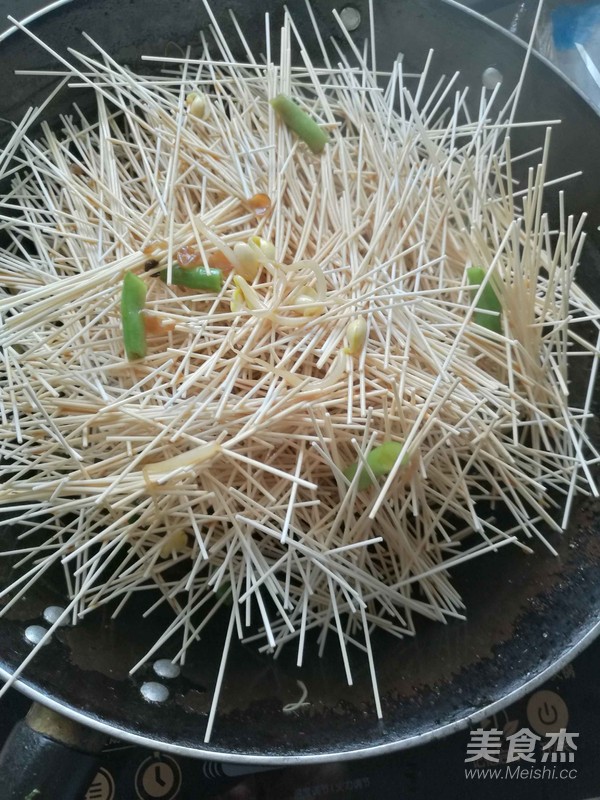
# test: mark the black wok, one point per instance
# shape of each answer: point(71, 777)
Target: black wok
point(526, 615)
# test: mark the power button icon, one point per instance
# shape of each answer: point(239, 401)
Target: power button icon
point(547, 712)
point(158, 778)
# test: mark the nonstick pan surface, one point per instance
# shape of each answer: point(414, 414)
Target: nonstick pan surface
point(526, 615)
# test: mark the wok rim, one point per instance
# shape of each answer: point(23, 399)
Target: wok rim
point(375, 750)
point(438, 733)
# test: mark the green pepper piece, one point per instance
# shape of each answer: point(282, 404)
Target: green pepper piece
point(194, 278)
point(301, 123)
point(133, 299)
point(381, 460)
point(488, 301)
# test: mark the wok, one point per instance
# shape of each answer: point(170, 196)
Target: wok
point(527, 616)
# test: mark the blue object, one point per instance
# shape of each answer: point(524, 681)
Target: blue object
point(572, 24)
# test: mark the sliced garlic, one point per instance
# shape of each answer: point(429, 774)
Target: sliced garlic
point(247, 264)
point(307, 297)
point(356, 336)
point(197, 103)
point(262, 248)
point(174, 543)
point(251, 298)
point(237, 300)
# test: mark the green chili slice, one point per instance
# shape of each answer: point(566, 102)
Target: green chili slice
point(133, 299)
point(195, 278)
point(301, 123)
point(381, 460)
point(488, 301)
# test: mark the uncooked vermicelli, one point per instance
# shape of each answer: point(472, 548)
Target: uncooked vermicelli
point(341, 421)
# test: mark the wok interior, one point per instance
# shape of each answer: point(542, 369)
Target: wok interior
point(524, 613)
